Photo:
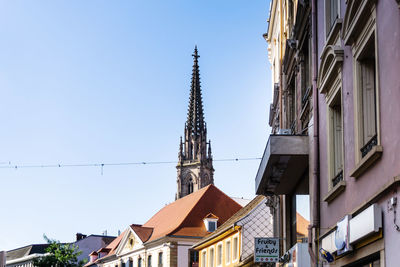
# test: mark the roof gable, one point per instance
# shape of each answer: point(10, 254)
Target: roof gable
point(134, 237)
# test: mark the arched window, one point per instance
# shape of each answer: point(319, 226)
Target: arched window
point(190, 186)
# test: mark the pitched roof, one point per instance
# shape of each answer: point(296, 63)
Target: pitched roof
point(232, 220)
point(184, 217)
point(143, 233)
point(25, 251)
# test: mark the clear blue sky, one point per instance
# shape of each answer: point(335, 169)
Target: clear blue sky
point(108, 81)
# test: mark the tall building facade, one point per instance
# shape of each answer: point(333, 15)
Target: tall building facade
point(195, 168)
point(334, 133)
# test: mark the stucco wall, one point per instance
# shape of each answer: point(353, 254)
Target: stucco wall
point(358, 190)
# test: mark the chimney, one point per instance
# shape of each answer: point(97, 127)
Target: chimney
point(80, 236)
point(3, 258)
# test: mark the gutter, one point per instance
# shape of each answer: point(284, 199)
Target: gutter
point(314, 228)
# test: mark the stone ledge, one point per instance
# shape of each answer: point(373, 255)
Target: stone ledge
point(335, 191)
point(367, 161)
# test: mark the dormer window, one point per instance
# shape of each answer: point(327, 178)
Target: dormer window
point(210, 221)
point(212, 226)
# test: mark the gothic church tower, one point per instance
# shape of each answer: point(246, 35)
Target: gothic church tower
point(195, 169)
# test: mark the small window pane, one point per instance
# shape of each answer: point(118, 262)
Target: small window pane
point(211, 226)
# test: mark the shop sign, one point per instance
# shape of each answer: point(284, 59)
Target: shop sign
point(266, 249)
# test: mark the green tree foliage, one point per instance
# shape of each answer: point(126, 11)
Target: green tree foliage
point(59, 255)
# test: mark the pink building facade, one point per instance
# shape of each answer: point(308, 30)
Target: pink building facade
point(359, 163)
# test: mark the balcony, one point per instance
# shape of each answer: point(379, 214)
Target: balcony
point(284, 162)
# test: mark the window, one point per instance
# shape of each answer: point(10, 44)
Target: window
point(160, 259)
point(367, 98)
point(219, 254)
point(149, 261)
point(131, 262)
point(366, 111)
point(331, 14)
point(228, 252)
point(204, 259)
point(336, 139)
point(194, 257)
point(211, 263)
point(212, 226)
point(190, 186)
point(235, 248)
point(139, 262)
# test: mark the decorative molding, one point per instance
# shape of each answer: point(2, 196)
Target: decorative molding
point(335, 191)
point(367, 161)
point(331, 63)
point(357, 12)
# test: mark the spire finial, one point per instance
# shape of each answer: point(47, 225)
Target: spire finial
point(195, 55)
point(195, 119)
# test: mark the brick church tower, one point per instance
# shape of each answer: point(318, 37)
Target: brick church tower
point(195, 169)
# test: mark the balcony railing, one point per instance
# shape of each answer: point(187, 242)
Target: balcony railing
point(337, 178)
point(368, 146)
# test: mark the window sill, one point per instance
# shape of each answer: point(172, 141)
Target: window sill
point(367, 161)
point(335, 191)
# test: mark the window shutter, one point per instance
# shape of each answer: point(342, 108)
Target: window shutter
point(337, 127)
point(368, 100)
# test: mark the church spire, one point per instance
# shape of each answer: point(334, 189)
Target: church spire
point(195, 118)
point(195, 169)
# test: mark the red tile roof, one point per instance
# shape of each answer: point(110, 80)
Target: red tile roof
point(184, 217)
point(143, 233)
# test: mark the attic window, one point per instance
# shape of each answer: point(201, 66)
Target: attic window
point(210, 222)
point(212, 226)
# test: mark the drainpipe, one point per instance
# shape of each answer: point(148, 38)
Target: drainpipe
point(315, 173)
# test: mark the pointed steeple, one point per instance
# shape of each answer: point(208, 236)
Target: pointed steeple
point(195, 168)
point(195, 117)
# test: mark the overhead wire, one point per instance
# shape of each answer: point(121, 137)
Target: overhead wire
point(102, 165)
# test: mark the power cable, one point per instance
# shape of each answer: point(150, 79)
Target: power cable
point(102, 165)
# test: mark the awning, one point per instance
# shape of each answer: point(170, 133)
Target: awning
point(284, 162)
